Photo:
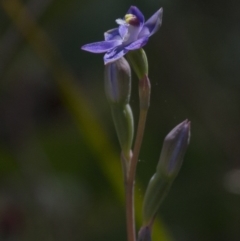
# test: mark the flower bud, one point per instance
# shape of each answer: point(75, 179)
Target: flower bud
point(118, 82)
point(144, 234)
point(139, 62)
point(173, 150)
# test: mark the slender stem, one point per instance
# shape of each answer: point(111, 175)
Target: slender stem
point(137, 145)
point(144, 94)
point(130, 212)
point(129, 184)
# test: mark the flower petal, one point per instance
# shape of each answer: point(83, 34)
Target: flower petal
point(135, 11)
point(112, 34)
point(152, 24)
point(114, 54)
point(101, 47)
point(137, 44)
point(123, 29)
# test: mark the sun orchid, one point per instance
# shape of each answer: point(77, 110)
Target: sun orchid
point(133, 33)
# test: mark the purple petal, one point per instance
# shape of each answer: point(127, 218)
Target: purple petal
point(137, 44)
point(114, 54)
point(101, 47)
point(112, 34)
point(123, 29)
point(135, 11)
point(152, 24)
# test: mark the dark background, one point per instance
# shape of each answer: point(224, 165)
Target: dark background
point(60, 173)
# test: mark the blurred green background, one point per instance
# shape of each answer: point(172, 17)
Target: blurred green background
point(60, 173)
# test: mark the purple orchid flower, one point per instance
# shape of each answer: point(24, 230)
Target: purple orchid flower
point(133, 33)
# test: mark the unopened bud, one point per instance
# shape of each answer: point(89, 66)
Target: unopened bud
point(144, 234)
point(118, 82)
point(173, 150)
point(171, 158)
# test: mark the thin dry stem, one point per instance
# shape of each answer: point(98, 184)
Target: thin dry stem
point(144, 94)
point(131, 177)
